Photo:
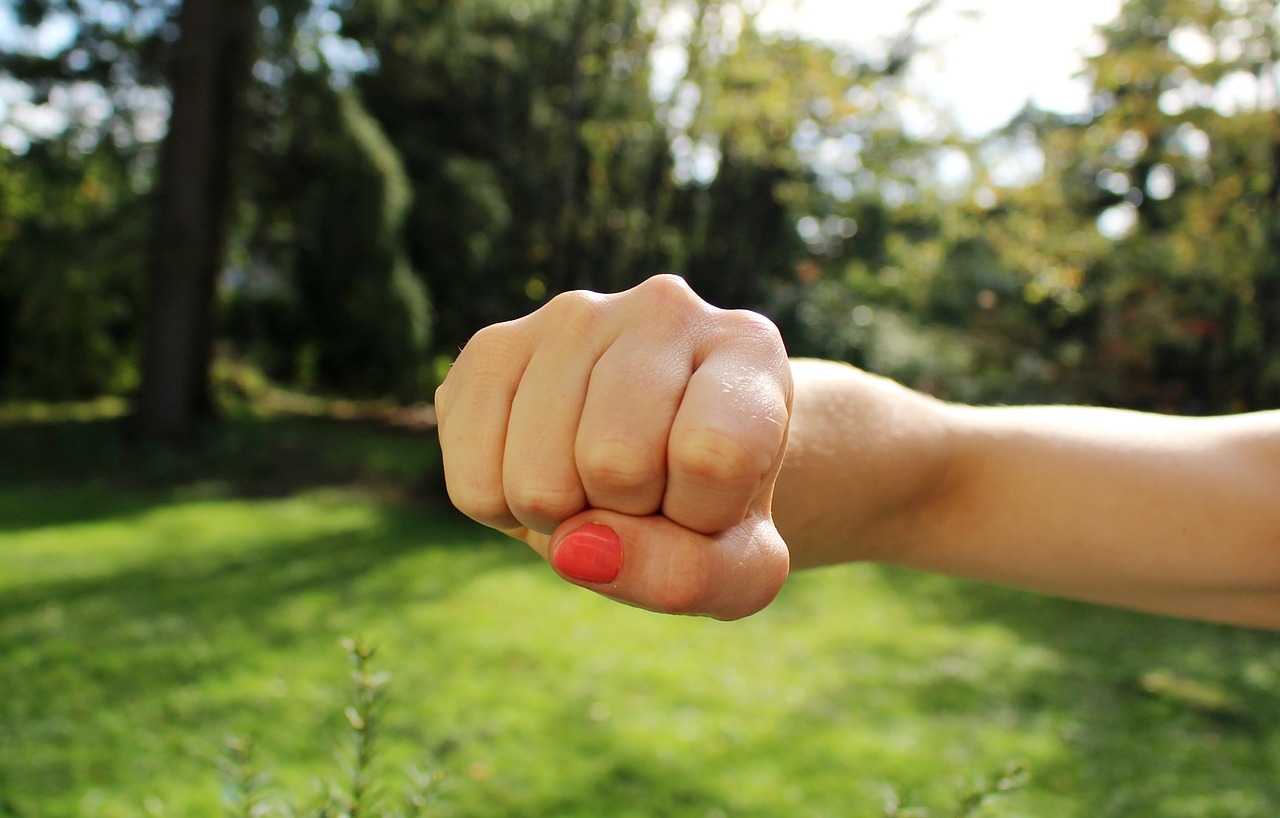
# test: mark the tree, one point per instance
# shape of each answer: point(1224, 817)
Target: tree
point(73, 213)
point(549, 150)
point(1139, 267)
point(71, 233)
point(209, 73)
point(362, 308)
point(128, 55)
point(1180, 164)
point(490, 154)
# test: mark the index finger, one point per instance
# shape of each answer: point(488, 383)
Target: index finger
point(727, 438)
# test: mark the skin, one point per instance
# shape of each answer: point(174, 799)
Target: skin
point(721, 465)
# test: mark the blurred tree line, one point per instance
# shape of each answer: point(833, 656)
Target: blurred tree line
point(340, 194)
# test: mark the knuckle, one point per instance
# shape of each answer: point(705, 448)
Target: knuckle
point(574, 311)
point(666, 282)
point(489, 356)
point(671, 292)
point(619, 465)
point(769, 573)
point(685, 592)
point(481, 504)
point(712, 455)
point(486, 341)
point(545, 501)
point(751, 327)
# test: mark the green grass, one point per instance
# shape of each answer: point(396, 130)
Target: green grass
point(152, 603)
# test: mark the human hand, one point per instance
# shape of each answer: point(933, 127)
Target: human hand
point(633, 440)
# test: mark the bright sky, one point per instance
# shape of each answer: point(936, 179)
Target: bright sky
point(991, 56)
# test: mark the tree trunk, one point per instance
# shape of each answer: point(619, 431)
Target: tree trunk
point(209, 74)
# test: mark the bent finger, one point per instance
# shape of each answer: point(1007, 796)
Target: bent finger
point(473, 408)
point(727, 438)
point(621, 447)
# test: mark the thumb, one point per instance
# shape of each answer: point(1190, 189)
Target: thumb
point(653, 563)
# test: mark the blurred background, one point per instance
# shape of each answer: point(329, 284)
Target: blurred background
point(264, 229)
point(348, 191)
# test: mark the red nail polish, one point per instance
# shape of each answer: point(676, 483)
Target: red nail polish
point(593, 553)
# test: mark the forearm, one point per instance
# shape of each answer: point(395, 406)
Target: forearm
point(1175, 515)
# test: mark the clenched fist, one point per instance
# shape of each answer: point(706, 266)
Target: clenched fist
point(633, 440)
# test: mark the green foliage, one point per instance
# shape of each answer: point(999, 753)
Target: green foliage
point(547, 155)
point(71, 232)
point(345, 289)
point(413, 171)
point(531, 143)
point(247, 791)
point(971, 797)
point(1177, 309)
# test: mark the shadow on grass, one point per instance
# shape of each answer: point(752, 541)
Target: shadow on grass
point(59, 473)
point(167, 601)
point(80, 655)
point(630, 785)
point(244, 587)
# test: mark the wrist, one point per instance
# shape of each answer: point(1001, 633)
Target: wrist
point(867, 463)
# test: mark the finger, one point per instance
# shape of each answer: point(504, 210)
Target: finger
point(727, 438)
point(540, 476)
point(621, 447)
point(473, 406)
point(652, 563)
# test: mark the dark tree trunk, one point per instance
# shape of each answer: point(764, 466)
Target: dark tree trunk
point(210, 71)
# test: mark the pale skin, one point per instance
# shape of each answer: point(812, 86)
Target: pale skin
point(719, 465)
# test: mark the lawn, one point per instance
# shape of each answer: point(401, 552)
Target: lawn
point(153, 603)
